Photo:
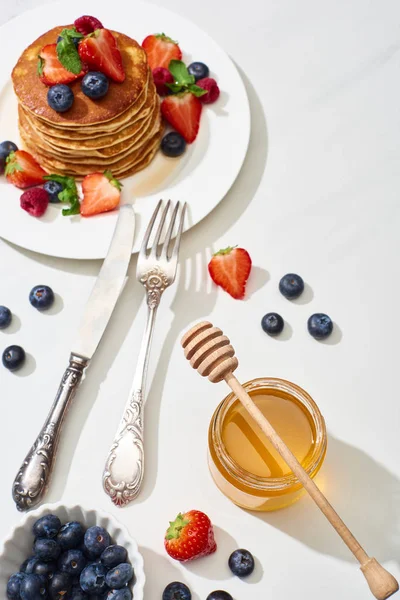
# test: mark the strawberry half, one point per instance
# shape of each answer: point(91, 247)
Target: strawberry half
point(190, 536)
point(230, 269)
point(101, 193)
point(160, 50)
point(100, 52)
point(50, 69)
point(22, 170)
point(183, 112)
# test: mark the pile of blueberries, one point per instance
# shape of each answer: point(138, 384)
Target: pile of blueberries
point(69, 563)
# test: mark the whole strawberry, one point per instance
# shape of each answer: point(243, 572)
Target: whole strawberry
point(230, 269)
point(190, 536)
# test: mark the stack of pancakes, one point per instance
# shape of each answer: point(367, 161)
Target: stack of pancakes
point(120, 131)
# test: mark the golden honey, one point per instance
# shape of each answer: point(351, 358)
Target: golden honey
point(244, 464)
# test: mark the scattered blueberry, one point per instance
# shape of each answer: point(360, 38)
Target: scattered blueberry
point(53, 188)
point(70, 535)
point(33, 587)
point(46, 549)
point(60, 586)
point(241, 563)
point(96, 540)
point(60, 97)
point(74, 39)
point(113, 556)
point(320, 326)
point(291, 286)
point(46, 527)
point(77, 593)
point(173, 144)
point(93, 579)
point(219, 595)
point(199, 70)
point(119, 576)
point(45, 569)
point(72, 562)
point(176, 591)
point(5, 149)
point(272, 323)
point(13, 357)
point(13, 586)
point(94, 85)
point(5, 317)
point(41, 297)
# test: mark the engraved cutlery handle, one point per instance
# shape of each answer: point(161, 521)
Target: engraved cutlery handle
point(33, 477)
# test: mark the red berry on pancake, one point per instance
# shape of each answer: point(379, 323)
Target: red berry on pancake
point(210, 85)
point(87, 24)
point(22, 170)
point(160, 50)
point(35, 201)
point(100, 52)
point(183, 112)
point(161, 77)
point(50, 70)
point(230, 269)
point(101, 193)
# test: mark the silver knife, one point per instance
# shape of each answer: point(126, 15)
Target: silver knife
point(33, 477)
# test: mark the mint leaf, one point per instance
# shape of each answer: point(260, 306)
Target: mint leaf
point(175, 87)
point(40, 66)
point(179, 72)
point(68, 54)
point(71, 33)
point(69, 194)
point(112, 180)
point(197, 90)
point(74, 209)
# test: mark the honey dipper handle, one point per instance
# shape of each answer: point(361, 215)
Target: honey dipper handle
point(382, 584)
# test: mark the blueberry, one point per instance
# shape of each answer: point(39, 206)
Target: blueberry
point(272, 323)
point(173, 144)
point(96, 540)
point(199, 70)
point(46, 549)
point(60, 97)
point(93, 579)
point(113, 556)
point(13, 585)
point(122, 594)
point(74, 39)
point(53, 188)
point(46, 527)
point(5, 317)
point(291, 286)
point(320, 326)
point(41, 297)
point(241, 563)
point(119, 576)
point(33, 587)
point(13, 357)
point(70, 535)
point(219, 595)
point(60, 586)
point(72, 562)
point(77, 593)
point(45, 569)
point(22, 568)
point(176, 591)
point(30, 564)
point(94, 85)
point(5, 149)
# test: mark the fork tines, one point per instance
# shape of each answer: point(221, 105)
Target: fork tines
point(164, 252)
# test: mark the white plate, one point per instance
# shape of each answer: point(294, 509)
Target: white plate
point(18, 546)
point(202, 176)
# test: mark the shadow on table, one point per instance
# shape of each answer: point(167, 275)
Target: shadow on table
point(165, 572)
point(364, 493)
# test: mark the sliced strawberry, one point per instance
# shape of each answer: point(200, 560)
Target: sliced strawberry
point(50, 69)
point(101, 193)
point(183, 112)
point(22, 170)
point(100, 52)
point(160, 50)
point(230, 268)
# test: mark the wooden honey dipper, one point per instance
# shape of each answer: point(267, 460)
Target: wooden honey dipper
point(210, 352)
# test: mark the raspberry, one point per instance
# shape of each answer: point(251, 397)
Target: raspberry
point(162, 76)
point(209, 84)
point(87, 24)
point(35, 201)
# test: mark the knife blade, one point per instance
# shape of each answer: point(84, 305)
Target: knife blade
point(33, 477)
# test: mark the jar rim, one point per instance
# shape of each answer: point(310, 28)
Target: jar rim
point(270, 484)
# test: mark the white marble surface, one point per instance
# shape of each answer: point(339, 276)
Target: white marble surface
point(318, 194)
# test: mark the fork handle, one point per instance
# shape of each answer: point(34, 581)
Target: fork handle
point(124, 469)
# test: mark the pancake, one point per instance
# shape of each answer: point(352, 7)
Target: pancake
point(32, 93)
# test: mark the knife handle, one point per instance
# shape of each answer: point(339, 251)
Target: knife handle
point(33, 477)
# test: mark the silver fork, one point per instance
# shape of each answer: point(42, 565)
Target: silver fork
point(156, 270)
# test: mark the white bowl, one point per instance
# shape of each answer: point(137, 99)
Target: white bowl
point(18, 546)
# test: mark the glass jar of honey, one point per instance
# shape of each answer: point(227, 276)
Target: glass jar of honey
point(244, 464)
